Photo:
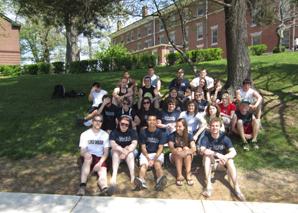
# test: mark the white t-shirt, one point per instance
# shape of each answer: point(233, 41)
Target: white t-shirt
point(247, 95)
point(193, 122)
point(196, 82)
point(97, 97)
point(94, 142)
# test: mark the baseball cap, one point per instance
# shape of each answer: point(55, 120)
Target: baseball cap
point(245, 101)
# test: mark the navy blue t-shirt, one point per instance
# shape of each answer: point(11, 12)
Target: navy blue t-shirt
point(169, 117)
point(152, 139)
point(220, 145)
point(179, 84)
point(178, 141)
point(123, 139)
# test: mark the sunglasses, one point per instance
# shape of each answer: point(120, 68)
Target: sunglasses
point(146, 102)
point(99, 121)
point(124, 124)
point(125, 103)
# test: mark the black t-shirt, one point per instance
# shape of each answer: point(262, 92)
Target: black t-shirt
point(178, 140)
point(123, 139)
point(143, 115)
point(131, 113)
point(152, 139)
point(109, 116)
point(246, 119)
point(220, 145)
point(148, 92)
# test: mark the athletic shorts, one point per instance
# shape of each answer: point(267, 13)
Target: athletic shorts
point(143, 159)
point(95, 160)
point(247, 128)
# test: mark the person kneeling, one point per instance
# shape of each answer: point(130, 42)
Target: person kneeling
point(94, 149)
point(218, 148)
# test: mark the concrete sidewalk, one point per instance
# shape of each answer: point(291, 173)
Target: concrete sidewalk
point(25, 202)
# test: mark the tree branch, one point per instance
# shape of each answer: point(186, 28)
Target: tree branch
point(221, 3)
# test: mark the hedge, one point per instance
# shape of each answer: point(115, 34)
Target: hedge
point(258, 49)
point(12, 70)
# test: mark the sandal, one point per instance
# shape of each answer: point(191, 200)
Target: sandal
point(240, 196)
point(207, 193)
point(189, 182)
point(179, 181)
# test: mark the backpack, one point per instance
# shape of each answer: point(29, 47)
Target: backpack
point(59, 91)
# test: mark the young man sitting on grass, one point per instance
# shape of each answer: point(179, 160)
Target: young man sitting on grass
point(94, 149)
point(217, 149)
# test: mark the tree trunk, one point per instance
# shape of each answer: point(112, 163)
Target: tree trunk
point(89, 46)
point(72, 49)
point(238, 63)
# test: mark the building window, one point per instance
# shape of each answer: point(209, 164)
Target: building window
point(132, 35)
point(201, 10)
point(148, 29)
point(200, 31)
point(286, 39)
point(148, 43)
point(139, 33)
point(162, 39)
point(187, 34)
point(161, 27)
point(139, 45)
point(128, 37)
point(214, 35)
point(256, 38)
point(172, 36)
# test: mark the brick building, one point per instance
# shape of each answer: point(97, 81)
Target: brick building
point(203, 30)
point(9, 41)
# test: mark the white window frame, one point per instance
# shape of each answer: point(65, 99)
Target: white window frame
point(212, 29)
point(200, 24)
point(200, 6)
point(252, 35)
point(139, 33)
point(161, 27)
point(162, 37)
point(139, 45)
point(172, 35)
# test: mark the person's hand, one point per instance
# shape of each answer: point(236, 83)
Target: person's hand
point(93, 89)
point(151, 163)
point(208, 152)
point(252, 106)
point(222, 158)
point(106, 101)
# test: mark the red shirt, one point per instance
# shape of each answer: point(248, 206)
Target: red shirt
point(227, 109)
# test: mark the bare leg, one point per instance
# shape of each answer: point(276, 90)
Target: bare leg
point(233, 175)
point(116, 162)
point(255, 129)
point(102, 180)
point(187, 164)
point(143, 171)
point(130, 160)
point(178, 162)
point(240, 130)
point(86, 167)
point(207, 168)
point(158, 169)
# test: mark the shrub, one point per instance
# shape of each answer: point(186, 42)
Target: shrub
point(10, 70)
point(258, 49)
point(31, 69)
point(209, 54)
point(58, 67)
point(171, 58)
point(43, 68)
point(279, 50)
point(147, 59)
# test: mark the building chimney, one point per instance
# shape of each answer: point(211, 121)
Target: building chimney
point(119, 25)
point(144, 11)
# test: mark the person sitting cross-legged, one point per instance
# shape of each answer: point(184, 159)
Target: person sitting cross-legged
point(152, 140)
point(123, 141)
point(218, 149)
point(94, 149)
point(182, 147)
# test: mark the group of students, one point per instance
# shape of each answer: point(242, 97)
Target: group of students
point(193, 119)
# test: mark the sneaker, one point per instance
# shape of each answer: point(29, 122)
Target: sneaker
point(140, 184)
point(104, 192)
point(111, 190)
point(240, 196)
point(161, 183)
point(81, 191)
point(255, 146)
point(245, 147)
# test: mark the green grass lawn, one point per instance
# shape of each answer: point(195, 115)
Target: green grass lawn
point(32, 123)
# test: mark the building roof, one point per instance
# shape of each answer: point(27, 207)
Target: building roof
point(13, 23)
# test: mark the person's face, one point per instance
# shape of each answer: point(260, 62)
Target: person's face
point(225, 101)
point(203, 73)
point(97, 122)
point(108, 100)
point(97, 89)
point(171, 107)
point(180, 74)
point(244, 108)
point(202, 82)
point(179, 127)
point(146, 104)
point(212, 110)
point(173, 94)
point(152, 121)
point(214, 127)
point(246, 87)
point(150, 71)
point(147, 82)
point(198, 96)
point(126, 75)
point(191, 107)
point(124, 124)
point(123, 82)
point(125, 104)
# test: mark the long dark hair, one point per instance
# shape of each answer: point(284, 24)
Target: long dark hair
point(124, 117)
point(192, 102)
point(185, 131)
point(146, 99)
point(217, 108)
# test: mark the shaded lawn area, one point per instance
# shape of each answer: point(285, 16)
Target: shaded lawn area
point(33, 124)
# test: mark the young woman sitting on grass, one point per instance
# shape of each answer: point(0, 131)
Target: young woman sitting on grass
point(182, 147)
